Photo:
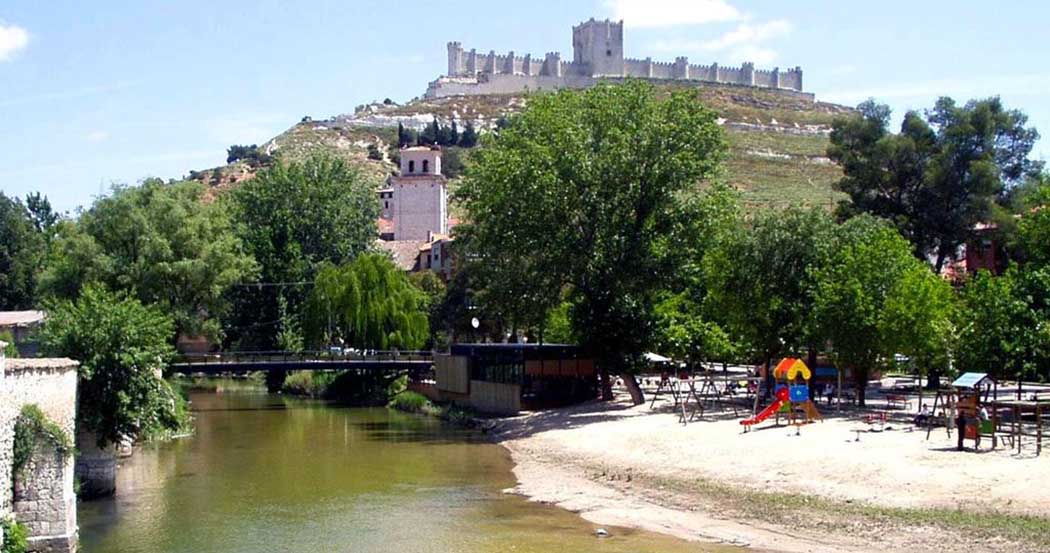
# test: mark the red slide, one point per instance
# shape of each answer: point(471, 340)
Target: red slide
point(782, 396)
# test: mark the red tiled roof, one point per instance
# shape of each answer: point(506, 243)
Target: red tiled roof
point(404, 253)
point(385, 225)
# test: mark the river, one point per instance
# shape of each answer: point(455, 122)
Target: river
point(268, 473)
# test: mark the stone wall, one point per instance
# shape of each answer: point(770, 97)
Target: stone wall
point(515, 84)
point(597, 52)
point(43, 496)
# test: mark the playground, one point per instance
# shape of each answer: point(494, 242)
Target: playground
point(663, 466)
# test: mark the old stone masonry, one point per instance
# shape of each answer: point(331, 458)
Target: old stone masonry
point(40, 494)
point(597, 54)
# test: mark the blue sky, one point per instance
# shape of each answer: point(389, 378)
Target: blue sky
point(98, 92)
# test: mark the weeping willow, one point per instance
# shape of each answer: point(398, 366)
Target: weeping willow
point(368, 304)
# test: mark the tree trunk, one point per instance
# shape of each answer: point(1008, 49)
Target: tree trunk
point(637, 396)
point(770, 381)
point(933, 379)
point(861, 388)
point(605, 384)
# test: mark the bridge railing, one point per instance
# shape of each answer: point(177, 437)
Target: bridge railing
point(371, 356)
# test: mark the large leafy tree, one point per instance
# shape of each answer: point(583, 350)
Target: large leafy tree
point(162, 244)
point(22, 250)
point(855, 294)
point(293, 217)
point(762, 280)
point(919, 319)
point(369, 303)
point(1033, 223)
point(1004, 326)
point(593, 192)
point(938, 177)
point(120, 344)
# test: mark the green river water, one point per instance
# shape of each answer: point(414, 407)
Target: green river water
point(267, 473)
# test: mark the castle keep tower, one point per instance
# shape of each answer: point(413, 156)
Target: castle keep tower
point(598, 46)
point(419, 202)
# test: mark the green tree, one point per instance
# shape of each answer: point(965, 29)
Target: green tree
point(453, 134)
point(22, 251)
point(865, 275)
point(370, 304)
point(120, 344)
point(937, 178)
point(918, 320)
point(469, 138)
point(593, 192)
point(43, 216)
point(1033, 225)
point(430, 135)
point(293, 218)
point(405, 137)
point(1004, 326)
point(762, 280)
point(161, 243)
point(434, 290)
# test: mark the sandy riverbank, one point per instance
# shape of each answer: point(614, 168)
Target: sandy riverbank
point(631, 466)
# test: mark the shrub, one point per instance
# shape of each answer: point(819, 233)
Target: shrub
point(308, 383)
point(11, 351)
point(16, 537)
point(411, 402)
point(374, 153)
point(32, 426)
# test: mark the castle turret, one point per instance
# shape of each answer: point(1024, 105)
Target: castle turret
point(551, 65)
point(597, 46)
point(455, 59)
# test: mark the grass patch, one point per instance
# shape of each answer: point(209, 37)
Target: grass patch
point(412, 402)
point(802, 145)
point(776, 182)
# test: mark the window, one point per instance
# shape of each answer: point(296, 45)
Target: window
point(411, 166)
point(386, 205)
point(608, 53)
point(426, 165)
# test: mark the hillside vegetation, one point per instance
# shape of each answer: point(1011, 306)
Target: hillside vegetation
point(777, 141)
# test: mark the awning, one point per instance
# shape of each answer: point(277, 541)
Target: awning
point(656, 358)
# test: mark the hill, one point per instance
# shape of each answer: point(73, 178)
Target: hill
point(777, 141)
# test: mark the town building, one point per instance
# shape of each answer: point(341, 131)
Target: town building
point(22, 326)
point(414, 223)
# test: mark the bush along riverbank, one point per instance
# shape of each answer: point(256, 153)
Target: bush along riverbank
point(367, 389)
point(414, 402)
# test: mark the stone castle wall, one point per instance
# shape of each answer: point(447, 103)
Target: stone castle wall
point(597, 53)
point(43, 496)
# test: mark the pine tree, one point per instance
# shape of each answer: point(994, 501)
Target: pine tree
point(469, 138)
point(453, 134)
point(430, 134)
point(404, 136)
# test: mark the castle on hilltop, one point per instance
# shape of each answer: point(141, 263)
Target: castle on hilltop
point(597, 54)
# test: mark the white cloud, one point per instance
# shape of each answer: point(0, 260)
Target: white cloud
point(672, 13)
point(96, 136)
point(747, 42)
point(12, 39)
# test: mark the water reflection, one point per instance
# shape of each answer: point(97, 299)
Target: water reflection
point(270, 473)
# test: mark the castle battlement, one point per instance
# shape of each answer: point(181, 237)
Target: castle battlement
point(597, 47)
